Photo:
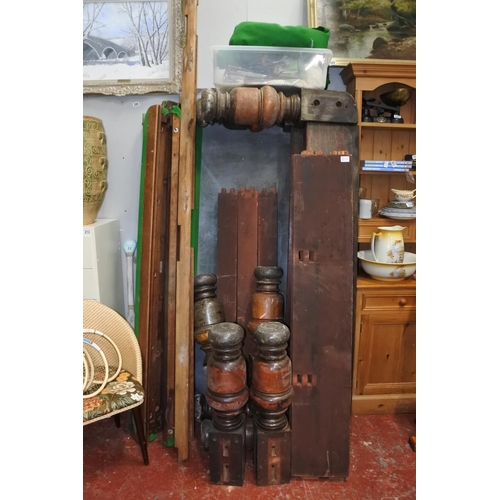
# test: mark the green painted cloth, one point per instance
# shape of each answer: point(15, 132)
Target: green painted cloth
point(275, 35)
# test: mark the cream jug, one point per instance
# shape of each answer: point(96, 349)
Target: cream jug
point(388, 244)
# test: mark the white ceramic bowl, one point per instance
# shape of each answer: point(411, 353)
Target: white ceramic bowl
point(388, 272)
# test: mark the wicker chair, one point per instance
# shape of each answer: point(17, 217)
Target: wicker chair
point(125, 392)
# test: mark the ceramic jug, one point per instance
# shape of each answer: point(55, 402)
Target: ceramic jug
point(388, 244)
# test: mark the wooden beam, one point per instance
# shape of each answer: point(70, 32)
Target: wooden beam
point(184, 286)
point(320, 313)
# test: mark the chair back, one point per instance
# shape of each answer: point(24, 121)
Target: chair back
point(106, 320)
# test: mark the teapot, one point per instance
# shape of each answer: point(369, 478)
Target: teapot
point(388, 244)
point(404, 194)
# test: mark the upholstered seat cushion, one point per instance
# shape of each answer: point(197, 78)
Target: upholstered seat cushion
point(121, 394)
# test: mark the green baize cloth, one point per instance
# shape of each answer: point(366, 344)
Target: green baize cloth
point(275, 35)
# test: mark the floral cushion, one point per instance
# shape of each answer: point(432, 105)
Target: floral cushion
point(122, 392)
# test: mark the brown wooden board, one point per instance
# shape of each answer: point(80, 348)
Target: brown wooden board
point(320, 313)
point(247, 259)
point(227, 251)
point(267, 237)
point(184, 327)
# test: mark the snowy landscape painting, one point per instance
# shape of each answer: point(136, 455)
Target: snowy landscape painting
point(131, 47)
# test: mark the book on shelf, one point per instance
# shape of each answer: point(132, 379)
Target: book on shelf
point(386, 165)
point(385, 169)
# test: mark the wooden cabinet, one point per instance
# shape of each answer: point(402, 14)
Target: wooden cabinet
point(384, 371)
point(384, 363)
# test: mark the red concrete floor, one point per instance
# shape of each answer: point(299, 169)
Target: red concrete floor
point(382, 467)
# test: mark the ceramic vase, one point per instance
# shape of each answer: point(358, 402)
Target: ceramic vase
point(95, 168)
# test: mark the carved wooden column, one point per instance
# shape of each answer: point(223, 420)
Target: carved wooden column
point(267, 303)
point(208, 310)
point(227, 395)
point(271, 394)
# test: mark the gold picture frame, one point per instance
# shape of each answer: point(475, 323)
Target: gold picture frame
point(123, 56)
point(348, 43)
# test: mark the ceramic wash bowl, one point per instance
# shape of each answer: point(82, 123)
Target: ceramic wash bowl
point(388, 272)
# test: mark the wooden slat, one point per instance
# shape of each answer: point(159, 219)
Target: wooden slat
point(184, 285)
point(267, 237)
point(247, 259)
point(191, 361)
point(227, 252)
point(168, 431)
point(153, 120)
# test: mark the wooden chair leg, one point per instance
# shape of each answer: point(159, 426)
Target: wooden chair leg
point(413, 443)
point(117, 420)
point(136, 413)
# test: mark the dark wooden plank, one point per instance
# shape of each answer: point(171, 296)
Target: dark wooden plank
point(227, 251)
point(160, 274)
point(168, 430)
point(147, 318)
point(247, 259)
point(143, 330)
point(321, 305)
point(267, 230)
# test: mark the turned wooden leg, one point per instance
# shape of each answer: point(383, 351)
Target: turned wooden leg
point(413, 443)
point(136, 413)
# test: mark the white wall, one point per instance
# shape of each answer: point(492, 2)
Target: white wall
point(217, 19)
point(122, 116)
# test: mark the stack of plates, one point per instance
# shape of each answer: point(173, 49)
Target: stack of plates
point(409, 213)
point(401, 204)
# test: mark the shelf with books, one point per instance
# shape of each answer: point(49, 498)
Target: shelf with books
point(388, 172)
point(387, 126)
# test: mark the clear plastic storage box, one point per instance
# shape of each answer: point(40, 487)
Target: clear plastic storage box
point(252, 66)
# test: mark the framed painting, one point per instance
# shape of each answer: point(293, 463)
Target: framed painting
point(132, 47)
point(378, 30)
